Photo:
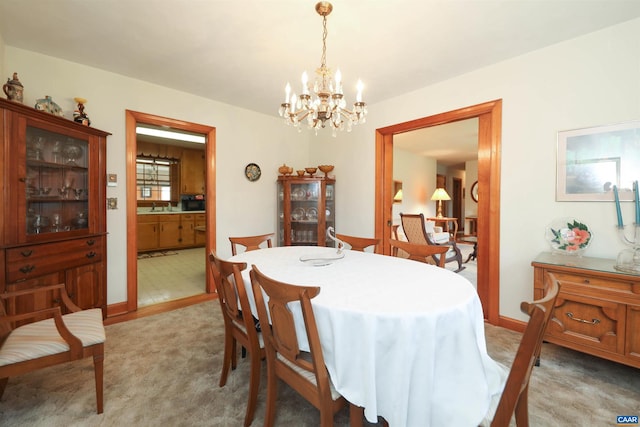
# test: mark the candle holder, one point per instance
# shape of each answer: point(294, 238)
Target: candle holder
point(629, 259)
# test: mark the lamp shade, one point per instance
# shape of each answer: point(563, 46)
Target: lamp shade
point(440, 194)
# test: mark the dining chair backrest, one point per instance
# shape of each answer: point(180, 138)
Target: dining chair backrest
point(238, 323)
point(514, 398)
point(359, 243)
point(418, 252)
point(303, 371)
point(251, 243)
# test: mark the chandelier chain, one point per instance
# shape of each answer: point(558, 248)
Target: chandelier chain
point(323, 59)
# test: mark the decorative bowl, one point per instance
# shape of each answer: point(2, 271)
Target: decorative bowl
point(568, 236)
point(285, 170)
point(311, 171)
point(326, 169)
point(300, 172)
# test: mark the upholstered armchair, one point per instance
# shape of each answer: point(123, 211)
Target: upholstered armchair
point(415, 230)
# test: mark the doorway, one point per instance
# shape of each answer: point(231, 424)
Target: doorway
point(132, 120)
point(489, 117)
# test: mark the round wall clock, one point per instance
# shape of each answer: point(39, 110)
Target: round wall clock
point(474, 191)
point(252, 172)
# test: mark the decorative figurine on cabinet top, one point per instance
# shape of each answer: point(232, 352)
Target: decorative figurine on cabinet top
point(78, 115)
point(47, 105)
point(13, 89)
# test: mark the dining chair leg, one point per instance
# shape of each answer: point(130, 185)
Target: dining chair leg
point(226, 358)
point(3, 385)
point(356, 415)
point(254, 385)
point(98, 372)
point(272, 392)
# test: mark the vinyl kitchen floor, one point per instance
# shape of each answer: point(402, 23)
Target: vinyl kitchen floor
point(179, 274)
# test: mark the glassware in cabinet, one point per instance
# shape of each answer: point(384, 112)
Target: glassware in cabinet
point(56, 182)
point(303, 209)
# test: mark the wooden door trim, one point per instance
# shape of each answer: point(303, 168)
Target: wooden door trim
point(132, 118)
point(489, 116)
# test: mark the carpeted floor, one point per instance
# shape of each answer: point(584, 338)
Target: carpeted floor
point(164, 370)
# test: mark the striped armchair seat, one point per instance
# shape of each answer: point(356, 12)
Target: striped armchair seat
point(51, 337)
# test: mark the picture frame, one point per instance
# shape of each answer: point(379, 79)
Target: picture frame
point(590, 161)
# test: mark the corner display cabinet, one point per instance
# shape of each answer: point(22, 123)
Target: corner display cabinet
point(306, 208)
point(598, 308)
point(53, 222)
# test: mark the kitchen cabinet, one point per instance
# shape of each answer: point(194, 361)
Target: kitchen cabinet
point(192, 167)
point(169, 231)
point(53, 223)
point(201, 236)
point(187, 231)
point(598, 307)
point(306, 208)
point(147, 233)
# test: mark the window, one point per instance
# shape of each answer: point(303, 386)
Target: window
point(154, 178)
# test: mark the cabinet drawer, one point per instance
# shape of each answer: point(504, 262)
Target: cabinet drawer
point(589, 321)
point(147, 219)
point(32, 261)
point(169, 218)
point(594, 284)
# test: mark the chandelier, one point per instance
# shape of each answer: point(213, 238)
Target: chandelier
point(323, 101)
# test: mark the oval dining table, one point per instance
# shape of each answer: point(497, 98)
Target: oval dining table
point(400, 338)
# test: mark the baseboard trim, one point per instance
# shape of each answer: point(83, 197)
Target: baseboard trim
point(117, 313)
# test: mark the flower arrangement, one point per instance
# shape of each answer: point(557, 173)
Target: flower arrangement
point(569, 236)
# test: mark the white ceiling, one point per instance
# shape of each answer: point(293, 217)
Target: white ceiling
point(244, 52)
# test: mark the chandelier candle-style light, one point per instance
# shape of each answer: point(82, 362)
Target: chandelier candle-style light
point(323, 101)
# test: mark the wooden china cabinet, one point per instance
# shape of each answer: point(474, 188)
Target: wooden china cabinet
point(306, 208)
point(53, 223)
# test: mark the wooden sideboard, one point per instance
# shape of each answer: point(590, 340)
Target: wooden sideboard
point(598, 308)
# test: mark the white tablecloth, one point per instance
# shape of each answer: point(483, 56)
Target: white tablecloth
point(403, 339)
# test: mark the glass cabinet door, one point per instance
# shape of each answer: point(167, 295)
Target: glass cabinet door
point(56, 197)
point(304, 213)
point(306, 208)
point(330, 211)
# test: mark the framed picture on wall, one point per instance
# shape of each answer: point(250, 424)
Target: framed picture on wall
point(591, 161)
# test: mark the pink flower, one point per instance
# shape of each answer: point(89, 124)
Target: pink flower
point(580, 237)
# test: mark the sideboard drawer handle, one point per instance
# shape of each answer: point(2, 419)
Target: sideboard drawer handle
point(27, 269)
point(590, 322)
point(26, 253)
point(91, 242)
point(587, 281)
point(91, 254)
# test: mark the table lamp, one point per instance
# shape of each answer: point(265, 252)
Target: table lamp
point(440, 194)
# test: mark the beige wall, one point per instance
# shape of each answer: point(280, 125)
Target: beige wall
point(243, 207)
point(588, 81)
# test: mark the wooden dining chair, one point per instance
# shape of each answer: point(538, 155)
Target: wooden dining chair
point(251, 243)
point(52, 339)
point(305, 372)
point(414, 230)
point(239, 326)
point(418, 252)
point(514, 398)
point(359, 243)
